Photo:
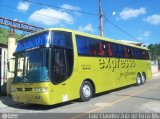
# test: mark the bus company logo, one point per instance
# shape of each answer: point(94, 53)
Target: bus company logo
point(9, 116)
point(4, 116)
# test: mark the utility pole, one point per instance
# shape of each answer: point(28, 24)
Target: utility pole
point(100, 19)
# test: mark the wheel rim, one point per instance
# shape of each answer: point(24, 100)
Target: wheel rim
point(143, 78)
point(138, 80)
point(86, 91)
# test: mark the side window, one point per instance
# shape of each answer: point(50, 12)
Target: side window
point(114, 49)
point(101, 49)
point(129, 52)
point(83, 45)
point(117, 50)
point(93, 47)
point(145, 55)
point(121, 51)
point(137, 53)
point(62, 39)
point(110, 54)
point(88, 46)
point(125, 52)
point(106, 49)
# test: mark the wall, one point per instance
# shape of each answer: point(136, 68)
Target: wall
point(154, 66)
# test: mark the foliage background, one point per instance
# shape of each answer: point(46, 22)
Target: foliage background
point(4, 36)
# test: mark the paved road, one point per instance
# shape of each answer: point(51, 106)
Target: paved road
point(141, 99)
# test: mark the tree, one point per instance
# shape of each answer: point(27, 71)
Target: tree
point(4, 36)
point(154, 51)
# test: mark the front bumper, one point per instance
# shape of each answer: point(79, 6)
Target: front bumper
point(44, 98)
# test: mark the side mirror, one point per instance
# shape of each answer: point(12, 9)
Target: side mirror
point(11, 64)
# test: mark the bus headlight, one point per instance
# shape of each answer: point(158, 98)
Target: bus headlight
point(41, 89)
point(13, 89)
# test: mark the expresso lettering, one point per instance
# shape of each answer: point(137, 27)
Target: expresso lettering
point(116, 63)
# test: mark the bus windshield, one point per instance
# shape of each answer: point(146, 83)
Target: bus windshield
point(32, 66)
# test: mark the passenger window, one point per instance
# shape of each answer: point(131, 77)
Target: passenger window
point(62, 39)
point(121, 51)
point(101, 49)
point(109, 50)
point(125, 52)
point(137, 53)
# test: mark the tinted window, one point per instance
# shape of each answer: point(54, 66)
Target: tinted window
point(33, 41)
point(101, 48)
point(121, 51)
point(137, 53)
point(129, 51)
point(109, 49)
point(62, 39)
point(145, 55)
point(94, 47)
point(115, 50)
point(58, 66)
point(87, 46)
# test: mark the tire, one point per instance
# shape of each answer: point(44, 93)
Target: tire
point(138, 80)
point(143, 78)
point(86, 91)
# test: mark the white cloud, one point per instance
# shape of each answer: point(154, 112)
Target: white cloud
point(86, 28)
point(144, 36)
point(128, 13)
point(71, 7)
point(24, 6)
point(154, 19)
point(50, 16)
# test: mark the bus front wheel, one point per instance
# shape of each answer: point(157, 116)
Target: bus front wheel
point(86, 91)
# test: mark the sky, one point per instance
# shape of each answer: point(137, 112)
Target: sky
point(133, 20)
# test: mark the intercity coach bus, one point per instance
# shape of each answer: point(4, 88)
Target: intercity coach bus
point(58, 65)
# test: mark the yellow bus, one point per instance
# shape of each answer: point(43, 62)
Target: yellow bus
point(58, 65)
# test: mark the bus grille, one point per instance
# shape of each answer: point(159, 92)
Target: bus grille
point(24, 89)
point(19, 89)
point(28, 89)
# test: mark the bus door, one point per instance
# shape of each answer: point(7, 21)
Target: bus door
point(59, 73)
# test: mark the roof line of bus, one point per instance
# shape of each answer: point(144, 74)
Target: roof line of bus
point(87, 34)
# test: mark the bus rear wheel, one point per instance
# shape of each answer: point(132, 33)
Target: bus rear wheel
point(143, 78)
point(138, 80)
point(86, 91)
